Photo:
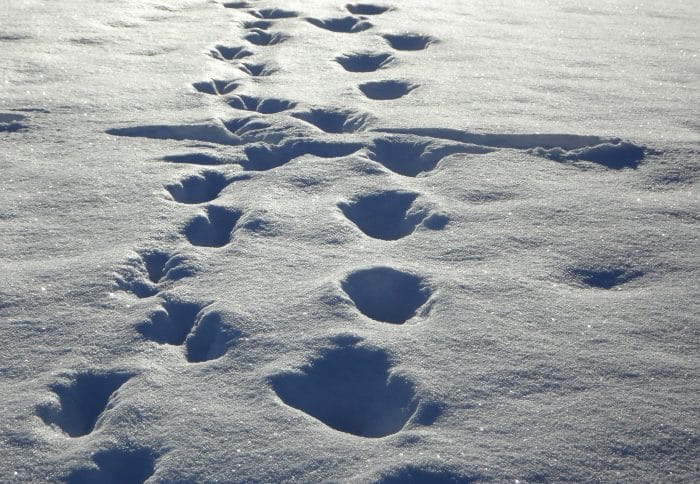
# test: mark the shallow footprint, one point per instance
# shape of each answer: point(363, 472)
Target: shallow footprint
point(346, 25)
point(605, 277)
point(273, 13)
point(385, 90)
point(409, 41)
point(364, 61)
point(237, 5)
point(366, 9)
point(350, 389)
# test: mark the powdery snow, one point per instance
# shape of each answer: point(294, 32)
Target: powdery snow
point(318, 241)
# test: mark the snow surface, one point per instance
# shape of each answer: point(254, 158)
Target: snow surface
point(403, 241)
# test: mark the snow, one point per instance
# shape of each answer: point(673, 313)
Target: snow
point(274, 241)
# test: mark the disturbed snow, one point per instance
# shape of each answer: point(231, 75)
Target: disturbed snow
point(317, 241)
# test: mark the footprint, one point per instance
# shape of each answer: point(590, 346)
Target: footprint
point(350, 389)
point(366, 9)
point(202, 159)
point(364, 61)
point(204, 335)
point(258, 69)
point(213, 228)
point(211, 339)
point(199, 188)
point(262, 156)
point(224, 53)
point(343, 25)
point(385, 294)
point(216, 87)
point(413, 156)
point(82, 401)
point(11, 122)
point(133, 465)
point(145, 274)
point(241, 126)
point(260, 105)
point(413, 474)
point(603, 277)
point(409, 41)
point(384, 90)
point(257, 24)
point(334, 120)
point(389, 215)
point(263, 38)
point(616, 155)
point(273, 13)
point(172, 322)
point(237, 5)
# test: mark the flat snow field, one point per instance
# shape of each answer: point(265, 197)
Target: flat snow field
point(398, 242)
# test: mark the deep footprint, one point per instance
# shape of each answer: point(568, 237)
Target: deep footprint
point(216, 87)
point(262, 156)
point(334, 120)
point(385, 294)
point(257, 69)
point(387, 215)
point(258, 24)
point(143, 275)
point(213, 228)
point(199, 188)
point(82, 401)
point(350, 389)
point(115, 466)
point(411, 157)
point(412, 474)
point(346, 25)
point(263, 38)
point(366, 9)
point(260, 105)
point(364, 61)
point(224, 53)
point(210, 339)
point(172, 322)
point(384, 90)
point(409, 41)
